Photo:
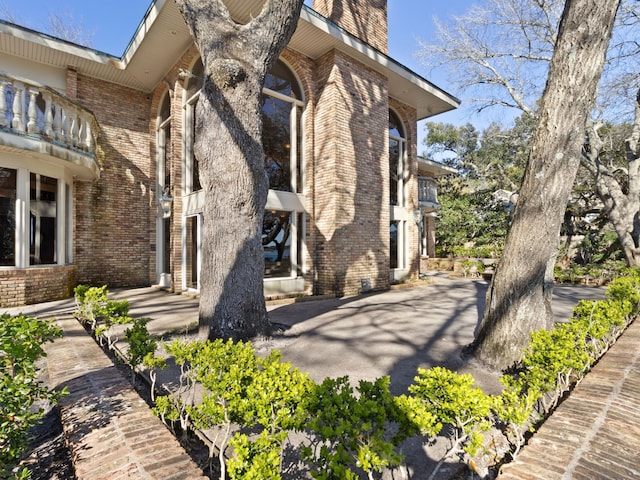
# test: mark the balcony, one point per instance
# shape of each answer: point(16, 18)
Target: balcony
point(37, 119)
point(428, 194)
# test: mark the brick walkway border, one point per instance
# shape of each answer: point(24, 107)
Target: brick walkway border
point(111, 431)
point(595, 433)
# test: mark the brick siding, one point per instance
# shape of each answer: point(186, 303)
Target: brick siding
point(352, 183)
point(27, 286)
point(112, 233)
point(346, 180)
point(366, 19)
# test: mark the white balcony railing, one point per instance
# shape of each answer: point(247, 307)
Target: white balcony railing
point(42, 113)
point(427, 192)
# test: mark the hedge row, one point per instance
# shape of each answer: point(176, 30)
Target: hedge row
point(351, 430)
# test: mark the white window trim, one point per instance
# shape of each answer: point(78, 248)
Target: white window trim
point(185, 218)
point(163, 278)
point(25, 165)
point(188, 136)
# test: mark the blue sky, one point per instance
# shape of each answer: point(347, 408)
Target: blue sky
point(112, 29)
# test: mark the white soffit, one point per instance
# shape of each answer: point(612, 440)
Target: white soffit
point(425, 165)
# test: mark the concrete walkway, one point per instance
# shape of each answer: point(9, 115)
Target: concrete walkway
point(391, 333)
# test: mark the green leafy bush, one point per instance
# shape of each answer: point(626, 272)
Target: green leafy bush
point(100, 314)
point(472, 268)
point(358, 430)
point(560, 357)
point(141, 343)
point(243, 389)
point(452, 399)
point(21, 341)
point(354, 430)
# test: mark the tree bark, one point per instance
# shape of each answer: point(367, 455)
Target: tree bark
point(519, 299)
point(623, 208)
point(236, 59)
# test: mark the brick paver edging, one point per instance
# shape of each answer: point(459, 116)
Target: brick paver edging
point(111, 431)
point(595, 433)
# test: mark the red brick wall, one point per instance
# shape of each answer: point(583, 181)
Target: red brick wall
point(34, 285)
point(351, 186)
point(112, 234)
point(366, 19)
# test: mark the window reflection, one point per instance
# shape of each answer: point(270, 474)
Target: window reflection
point(42, 219)
point(276, 141)
point(396, 160)
point(394, 163)
point(276, 242)
point(282, 129)
point(193, 92)
point(191, 254)
point(393, 237)
point(7, 217)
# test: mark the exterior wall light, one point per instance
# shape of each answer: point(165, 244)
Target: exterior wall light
point(165, 202)
point(417, 216)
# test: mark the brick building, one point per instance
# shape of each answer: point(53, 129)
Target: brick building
point(90, 145)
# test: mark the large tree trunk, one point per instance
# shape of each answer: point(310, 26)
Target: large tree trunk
point(623, 208)
point(519, 299)
point(236, 60)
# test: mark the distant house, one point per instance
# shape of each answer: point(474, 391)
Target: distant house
point(93, 147)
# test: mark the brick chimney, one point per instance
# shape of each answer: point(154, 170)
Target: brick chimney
point(366, 19)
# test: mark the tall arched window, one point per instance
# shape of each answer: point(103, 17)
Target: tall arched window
point(397, 192)
point(163, 238)
point(283, 227)
point(397, 162)
point(194, 84)
point(282, 129)
point(283, 233)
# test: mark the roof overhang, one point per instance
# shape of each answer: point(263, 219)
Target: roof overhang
point(434, 168)
point(162, 37)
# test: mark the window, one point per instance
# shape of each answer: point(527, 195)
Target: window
point(194, 84)
point(8, 217)
point(192, 252)
point(397, 193)
point(282, 232)
point(163, 234)
point(35, 217)
point(282, 129)
point(42, 220)
point(276, 241)
point(397, 162)
point(393, 237)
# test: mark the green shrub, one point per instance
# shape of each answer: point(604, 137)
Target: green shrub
point(94, 309)
point(515, 411)
point(353, 430)
point(21, 341)
point(240, 388)
point(557, 358)
point(472, 267)
point(141, 343)
point(90, 304)
point(452, 399)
